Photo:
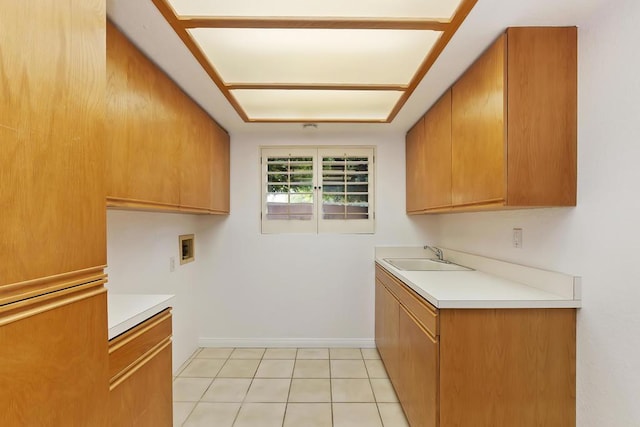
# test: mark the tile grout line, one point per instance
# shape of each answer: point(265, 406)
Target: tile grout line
point(333, 421)
point(250, 384)
point(291, 378)
point(375, 398)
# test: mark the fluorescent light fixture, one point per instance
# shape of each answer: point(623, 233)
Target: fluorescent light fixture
point(317, 105)
point(413, 9)
point(316, 60)
point(315, 56)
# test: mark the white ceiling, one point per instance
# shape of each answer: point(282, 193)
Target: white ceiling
point(145, 26)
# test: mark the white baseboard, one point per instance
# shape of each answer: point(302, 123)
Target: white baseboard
point(288, 342)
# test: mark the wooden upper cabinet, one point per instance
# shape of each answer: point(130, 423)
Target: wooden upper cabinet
point(161, 144)
point(415, 167)
point(478, 147)
point(196, 161)
point(220, 170)
point(52, 221)
point(143, 127)
point(437, 154)
point(513, 126)
point(542, 111)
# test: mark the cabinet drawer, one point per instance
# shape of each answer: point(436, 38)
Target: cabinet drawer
point(126, 349)
point(424, 312)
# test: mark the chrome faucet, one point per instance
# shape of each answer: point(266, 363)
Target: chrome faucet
point(436, 251)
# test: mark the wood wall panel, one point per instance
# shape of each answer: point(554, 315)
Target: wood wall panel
point(53, 359)
point(53, 219)
point(507, 367)
point(479, 129)
point(542, 111)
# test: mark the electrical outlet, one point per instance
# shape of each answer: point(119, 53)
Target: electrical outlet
point(517, 238)
point(172, 264)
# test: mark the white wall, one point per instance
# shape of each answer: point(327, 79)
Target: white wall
point(138, 251)
point(597, 238)
point(299, 289)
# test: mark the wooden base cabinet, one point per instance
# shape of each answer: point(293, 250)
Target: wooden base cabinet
point(53, 359)
point(476, 367)
point(140, 390)
point(418, 359)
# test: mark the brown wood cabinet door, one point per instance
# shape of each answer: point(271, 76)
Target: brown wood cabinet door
point(145, 126)
point(508, 367)
point(143, 398)
point(196, 164)
point(479, 130)
point(53, 359)
point(220, 170)
point(436, 180)
point(387, 316)
point(52, 220)
point(542, 111)
point(415, 164)
point(418, 372)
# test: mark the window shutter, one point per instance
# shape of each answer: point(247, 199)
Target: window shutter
point(317, 190)
point(347, 190)
point(289, 194)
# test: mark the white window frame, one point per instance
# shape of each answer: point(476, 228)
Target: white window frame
point(318, 224)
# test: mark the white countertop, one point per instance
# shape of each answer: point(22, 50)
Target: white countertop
point(520, 286)
point(128, 310)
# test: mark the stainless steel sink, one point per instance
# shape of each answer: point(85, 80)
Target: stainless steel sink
point(425, 264)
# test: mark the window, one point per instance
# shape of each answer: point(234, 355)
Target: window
point(323, 190)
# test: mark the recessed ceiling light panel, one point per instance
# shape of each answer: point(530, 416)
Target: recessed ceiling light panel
point(413, 9)
point(316, 60)
point(315, 56)
point(317, 105)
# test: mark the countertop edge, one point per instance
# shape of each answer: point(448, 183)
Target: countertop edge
point(126, 311)
point(477, 304)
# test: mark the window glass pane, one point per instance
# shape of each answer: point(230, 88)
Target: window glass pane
point(359, 200)
point(360, 177)
point(277, 177)
point(358, 188)
point(333, 188)
point(278, 188)
point(289, 188)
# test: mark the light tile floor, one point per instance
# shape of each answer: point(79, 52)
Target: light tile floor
point(285, 387)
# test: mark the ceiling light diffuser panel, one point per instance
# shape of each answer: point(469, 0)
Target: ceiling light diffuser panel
point(413, 9)
point(316, 60)
point(317, 105)
point(315, 56)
